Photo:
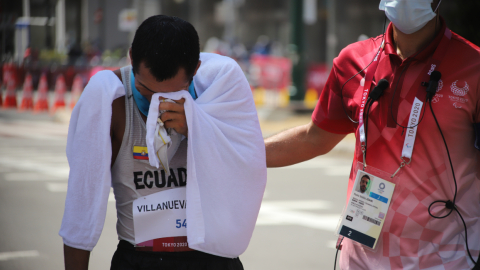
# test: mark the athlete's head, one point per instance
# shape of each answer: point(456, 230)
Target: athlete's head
point(364, 183)
point(165, 54)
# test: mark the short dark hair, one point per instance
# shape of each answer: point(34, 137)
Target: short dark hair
point(165, 44)
point(366, 176)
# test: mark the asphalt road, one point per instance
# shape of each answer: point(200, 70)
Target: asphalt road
point(295, 228)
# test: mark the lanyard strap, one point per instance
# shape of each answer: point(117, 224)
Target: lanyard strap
point(366, 90)
point(419, 100)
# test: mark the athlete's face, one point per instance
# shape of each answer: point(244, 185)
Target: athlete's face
point(363, 184)
point(148, 85)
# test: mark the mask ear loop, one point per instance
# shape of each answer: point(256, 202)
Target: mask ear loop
point(435, 11)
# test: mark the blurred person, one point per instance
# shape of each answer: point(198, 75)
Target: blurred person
point(90, 51)
point(239, 52)
point(212, 45)
point(262, 46)
point(436, 198)
point(74, 53)
point(277, 49)
point(220, 222)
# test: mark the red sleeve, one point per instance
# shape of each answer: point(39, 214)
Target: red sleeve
point(329, 114)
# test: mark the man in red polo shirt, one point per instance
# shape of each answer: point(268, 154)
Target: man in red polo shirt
point(418, 49)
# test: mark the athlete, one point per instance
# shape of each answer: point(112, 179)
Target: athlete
point(165, 57)
point(424, 63)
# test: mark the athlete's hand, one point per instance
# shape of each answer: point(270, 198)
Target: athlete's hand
point(174, 117)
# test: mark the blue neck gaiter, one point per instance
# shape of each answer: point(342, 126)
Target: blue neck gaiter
point(142, 102)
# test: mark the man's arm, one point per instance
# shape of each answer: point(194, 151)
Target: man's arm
point(75, 259)
point(299, 144)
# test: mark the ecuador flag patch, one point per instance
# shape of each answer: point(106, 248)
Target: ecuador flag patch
point(140, 152)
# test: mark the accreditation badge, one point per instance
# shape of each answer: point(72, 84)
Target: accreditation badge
point(367, 208)
point(160, 215)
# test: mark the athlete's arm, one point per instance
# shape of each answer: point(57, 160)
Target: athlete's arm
point(117, 125)
point(75, 259)
point(299, 144)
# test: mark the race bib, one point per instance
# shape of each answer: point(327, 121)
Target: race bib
point(160, 215)
point(367, 208)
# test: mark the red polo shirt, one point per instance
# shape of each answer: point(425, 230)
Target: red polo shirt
point(411, 238)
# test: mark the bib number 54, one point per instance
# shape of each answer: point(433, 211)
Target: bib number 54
point(181, 224)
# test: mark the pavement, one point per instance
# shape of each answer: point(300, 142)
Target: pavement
point(295, 228)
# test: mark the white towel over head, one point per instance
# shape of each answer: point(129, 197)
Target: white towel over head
point(226, 164)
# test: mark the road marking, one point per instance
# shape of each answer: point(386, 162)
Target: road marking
point(298, 204)
point(31, 176)
point(63, 187)
point(33, 130)
point(28, 165)
point(57, 187)
point(5, 256)
point(290, 213)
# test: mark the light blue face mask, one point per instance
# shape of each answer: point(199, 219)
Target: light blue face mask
point(142, 102)
point(408, 16)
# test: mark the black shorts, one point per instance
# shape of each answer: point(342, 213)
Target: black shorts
point(127, 258)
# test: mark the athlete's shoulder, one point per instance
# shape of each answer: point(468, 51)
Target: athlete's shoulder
point(103, 75)
point(104, 80)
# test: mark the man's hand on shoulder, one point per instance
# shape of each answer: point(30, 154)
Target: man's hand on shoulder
point(174, 117)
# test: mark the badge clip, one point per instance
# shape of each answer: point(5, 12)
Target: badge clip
point(364, 156)
point(403, 164)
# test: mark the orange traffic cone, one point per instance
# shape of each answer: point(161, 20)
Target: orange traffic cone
point(60, 89)
point(27, 97)
point(42, 95)
point(10, 95)
point(77, 89)
point(4, 82)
